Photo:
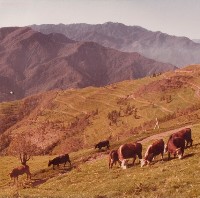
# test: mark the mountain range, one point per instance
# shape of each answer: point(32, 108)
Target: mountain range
point(33, 62)
point(179, 51)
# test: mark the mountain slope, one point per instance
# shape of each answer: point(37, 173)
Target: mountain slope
point(65, 121)
point(179, 51)
point(32, 62)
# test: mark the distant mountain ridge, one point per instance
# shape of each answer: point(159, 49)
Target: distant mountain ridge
point(32, 62)
point(196, 40)
point(179, 51)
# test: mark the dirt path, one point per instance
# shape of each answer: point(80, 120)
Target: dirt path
point(197, 92)
point(105, 103)
point(163, 109)
point(70, 106)
point(184, 99)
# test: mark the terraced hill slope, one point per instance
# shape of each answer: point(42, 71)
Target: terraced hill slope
point(65, 121)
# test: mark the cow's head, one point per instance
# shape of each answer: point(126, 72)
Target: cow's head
point(179, 153)
point(143, 162)
point(11, 175)
point(50, 162)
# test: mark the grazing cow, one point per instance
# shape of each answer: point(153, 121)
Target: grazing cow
point(126, 151)
point(113, 158)
point(20, 171)
point(186, 134)
point(103, 144)
point(175, 146)
point(153, 150)
point(62, 159)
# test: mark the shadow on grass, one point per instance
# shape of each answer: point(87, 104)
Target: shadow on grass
point(194, 145)
point(37, 182)
point(103, 150)
point(188, 155)
point(184, 156)
point(45, 174)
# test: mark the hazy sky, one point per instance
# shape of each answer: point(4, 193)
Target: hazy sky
point(175, 17)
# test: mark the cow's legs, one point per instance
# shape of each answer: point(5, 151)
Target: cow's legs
point(191, 142)
point(187, 142)
point(168, 155)
point(70, 163)
point(162, 156)
point(134, 158)
point(123, 164)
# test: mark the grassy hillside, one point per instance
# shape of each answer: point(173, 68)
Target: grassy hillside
point(74, 120)
point(65, 121)
point(92, 178)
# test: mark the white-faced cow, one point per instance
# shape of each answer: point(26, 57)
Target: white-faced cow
point(186, 134)
point(153, 150)
point(127, 151)
point(62, 159)
point(175, 146)
point(113, 158)
point(105, 143)
point(20, 171)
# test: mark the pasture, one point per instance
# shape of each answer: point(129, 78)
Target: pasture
point(90, 176)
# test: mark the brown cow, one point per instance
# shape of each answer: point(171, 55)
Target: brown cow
point(175, 146)
point(127, 151)
point(186, 134)
point(113, 158)
point(20, 171)
point(153, 150)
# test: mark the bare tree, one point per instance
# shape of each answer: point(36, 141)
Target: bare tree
point(24, 157)
point(23, 147)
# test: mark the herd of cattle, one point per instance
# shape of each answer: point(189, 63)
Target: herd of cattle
point(176, 144)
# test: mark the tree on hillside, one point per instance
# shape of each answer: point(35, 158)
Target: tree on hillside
point(23, 148)
point(113, 116)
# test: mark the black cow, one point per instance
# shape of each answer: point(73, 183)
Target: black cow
point(62, 159)
point(103, 144)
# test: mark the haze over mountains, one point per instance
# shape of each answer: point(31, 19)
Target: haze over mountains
point(196, 40)
point(32, 62)
point(179, 51)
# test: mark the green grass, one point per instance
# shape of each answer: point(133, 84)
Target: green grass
point(174, 178)
point(90, 176)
